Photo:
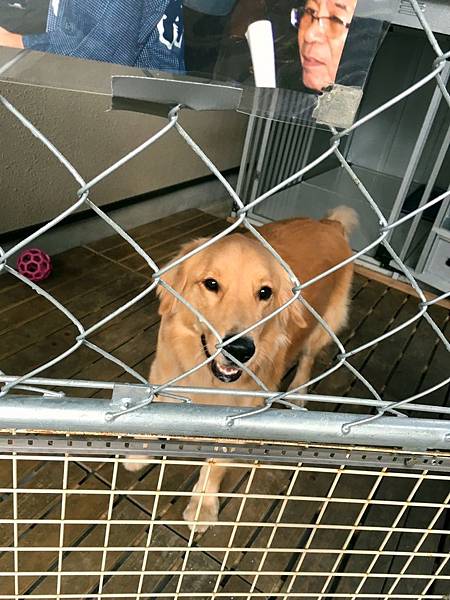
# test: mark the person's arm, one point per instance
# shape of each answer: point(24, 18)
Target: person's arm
point(11, 40)
point(109, 32)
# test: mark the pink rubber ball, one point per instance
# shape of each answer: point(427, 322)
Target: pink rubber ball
point(34, 264)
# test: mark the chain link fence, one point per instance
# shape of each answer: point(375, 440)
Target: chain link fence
point(378, 546)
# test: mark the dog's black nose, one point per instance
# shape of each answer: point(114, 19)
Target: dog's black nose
point(242, 348)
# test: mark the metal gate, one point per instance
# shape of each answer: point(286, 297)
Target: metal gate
point(321, 503)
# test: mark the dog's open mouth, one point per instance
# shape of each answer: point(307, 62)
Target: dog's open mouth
point(226, 373)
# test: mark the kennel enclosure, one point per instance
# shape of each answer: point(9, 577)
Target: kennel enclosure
point(348, 499)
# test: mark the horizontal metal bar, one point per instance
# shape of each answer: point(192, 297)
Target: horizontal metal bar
point(235, 572)
point(70, 383)
point(201, 549)
point(88, 416)
point(84, 446)
point(310, 398)
point(182, 494)
point(417, 473)
point(231, 523)
point(145, 595)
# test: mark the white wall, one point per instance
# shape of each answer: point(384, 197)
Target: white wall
point(34, 187)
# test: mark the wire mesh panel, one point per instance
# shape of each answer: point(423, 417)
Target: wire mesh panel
point(84, 527)
point(79, 525)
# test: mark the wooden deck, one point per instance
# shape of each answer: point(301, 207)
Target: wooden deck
point(93, 280)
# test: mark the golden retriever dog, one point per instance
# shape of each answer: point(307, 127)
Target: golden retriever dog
point(234, 283)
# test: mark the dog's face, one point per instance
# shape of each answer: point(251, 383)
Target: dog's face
point(234, 283)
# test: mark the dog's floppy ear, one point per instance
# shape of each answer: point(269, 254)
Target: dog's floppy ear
point(176, 278)
point(295, 310)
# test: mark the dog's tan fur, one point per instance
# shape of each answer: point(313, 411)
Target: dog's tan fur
point(242, 266)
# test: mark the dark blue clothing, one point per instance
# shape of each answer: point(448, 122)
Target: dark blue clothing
point(141, 33)
point(219, 8)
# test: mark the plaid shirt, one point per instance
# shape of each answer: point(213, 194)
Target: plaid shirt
point(140, 33)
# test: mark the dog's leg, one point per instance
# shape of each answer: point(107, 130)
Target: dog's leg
point(135, 466)
point(211, 476)
point(303, 373)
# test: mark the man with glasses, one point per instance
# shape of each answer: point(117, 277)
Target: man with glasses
point(322, 31)
point(307, 60)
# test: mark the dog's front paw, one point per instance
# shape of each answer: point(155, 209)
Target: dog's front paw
point(209, 511)
point(135, 466)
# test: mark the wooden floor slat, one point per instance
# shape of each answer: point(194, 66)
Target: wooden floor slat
point(160, 237)
point(146, 229)
point(436, 372)
point(165, 251)
point(361, 318)
point(383, 358)
point(70, 271)
point(416, 358)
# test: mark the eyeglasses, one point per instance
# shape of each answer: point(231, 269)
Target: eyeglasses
point(332, 26)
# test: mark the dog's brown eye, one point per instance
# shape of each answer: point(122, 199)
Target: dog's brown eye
point(211, 285)
point(265, 292)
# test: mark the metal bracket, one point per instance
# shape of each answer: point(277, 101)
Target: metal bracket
point(128, 398)
point(158, 96)
point(338, 107)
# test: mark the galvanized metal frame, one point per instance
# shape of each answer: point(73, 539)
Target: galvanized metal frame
point(175, 419)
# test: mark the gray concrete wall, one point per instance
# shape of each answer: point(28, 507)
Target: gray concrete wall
point(34, 187)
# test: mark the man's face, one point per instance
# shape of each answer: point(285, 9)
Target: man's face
point(321, 40)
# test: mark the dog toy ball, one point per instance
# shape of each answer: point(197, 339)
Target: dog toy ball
point(34, 264)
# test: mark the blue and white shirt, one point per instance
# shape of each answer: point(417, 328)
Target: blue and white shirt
point(141, 33)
